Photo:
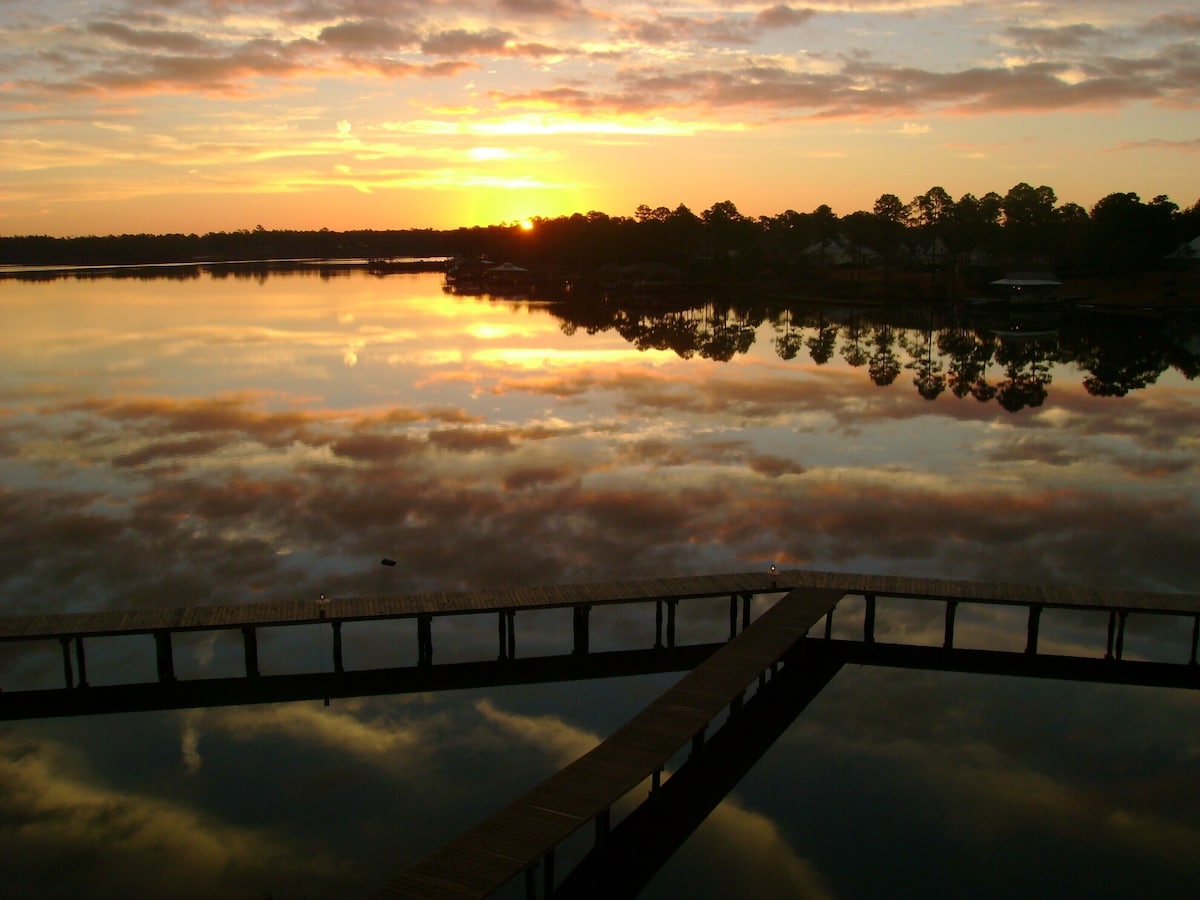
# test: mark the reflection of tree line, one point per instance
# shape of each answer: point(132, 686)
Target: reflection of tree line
point(987, 358)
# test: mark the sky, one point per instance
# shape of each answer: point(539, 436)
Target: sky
point(213, 115)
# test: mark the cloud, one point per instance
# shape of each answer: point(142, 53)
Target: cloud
point(146, 39)
point(366, 36)
point(560, 740)
point(460, 42)
point(544, 9)
point(170, 451)
point(1173, 24)
point(536, 476)
point(117, 840)
point(986, 761)
point(1188, 146)
point(1062, 37)
point(742, 852)
point(781, 16)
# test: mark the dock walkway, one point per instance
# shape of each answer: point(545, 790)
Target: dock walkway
point(526, 832)
point(317, 609)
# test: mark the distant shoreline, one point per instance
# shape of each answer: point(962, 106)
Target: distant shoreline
point(1165, 290)
point(383, 266)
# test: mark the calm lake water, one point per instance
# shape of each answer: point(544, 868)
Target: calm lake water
point(196, 440)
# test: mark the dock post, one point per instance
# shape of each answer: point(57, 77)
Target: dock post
point(1195, 639)
point(81, 661)
point(337, 646)
point(603, 823)
point(733, 615)
point(531, 882)
point(829, 624)
point(1035, 618)
point(164, 656)
point(250, 648)
point(1116, 634)
point(869, 620)
point(671, 604)
point(658, 624)
point(424, 640)
point(579, 621)
point(548, 874)
point(746, 598)
point(951, 608)
point(68, 672)
point(502, 625)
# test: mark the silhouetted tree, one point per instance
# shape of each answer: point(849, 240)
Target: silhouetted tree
point(1029, 220)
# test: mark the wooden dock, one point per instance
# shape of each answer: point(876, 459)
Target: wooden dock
point(73, 630)
point(317, 609)
point(526, 833)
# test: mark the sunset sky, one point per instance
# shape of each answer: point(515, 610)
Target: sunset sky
point(211, 115)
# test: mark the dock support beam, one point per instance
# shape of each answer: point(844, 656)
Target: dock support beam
point(579, 628)
point(338, 665)
point(1195, 639)
point(869, 620)
point(1035, 619)
point(951, 609)
point(1116, 634)
point(164, 655)
point(508, 634)
point(81, 661)
point(733, 613)
point(250, 648)
point(424, 640)
point(603, 826)
point(68, 671)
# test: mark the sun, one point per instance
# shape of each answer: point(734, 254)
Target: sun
point(526, 224)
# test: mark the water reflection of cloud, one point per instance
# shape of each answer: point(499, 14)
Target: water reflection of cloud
point(454, 471)
point(993, 765)
point(65, 834)
point(738, 852)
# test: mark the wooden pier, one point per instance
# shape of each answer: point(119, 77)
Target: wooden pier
point(72, 631)
point(528, 831)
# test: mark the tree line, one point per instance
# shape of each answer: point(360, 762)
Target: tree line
point(1025, 227)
